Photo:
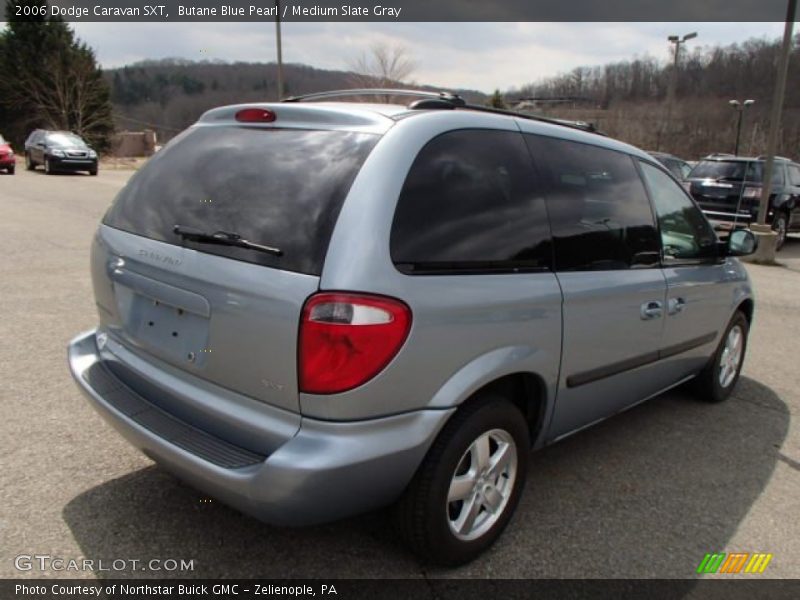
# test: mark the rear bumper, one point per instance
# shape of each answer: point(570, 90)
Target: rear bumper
point(325, 471)
point(7, 162)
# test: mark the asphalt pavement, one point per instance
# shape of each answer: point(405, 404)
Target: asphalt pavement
point(645, 494)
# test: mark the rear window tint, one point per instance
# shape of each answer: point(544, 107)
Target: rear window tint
point(598, 207)
point(276, 187)
point(471, 204)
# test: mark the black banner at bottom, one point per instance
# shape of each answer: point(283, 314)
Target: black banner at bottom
point(389, 589)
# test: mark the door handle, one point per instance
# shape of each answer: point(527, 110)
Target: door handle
point(652, 310)
point(675, 305)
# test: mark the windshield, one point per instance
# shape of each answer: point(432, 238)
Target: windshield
point(65, 139)
point(274, 187)
point(734, 170)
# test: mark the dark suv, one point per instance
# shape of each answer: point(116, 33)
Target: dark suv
point(728, 189)
point(59, 151)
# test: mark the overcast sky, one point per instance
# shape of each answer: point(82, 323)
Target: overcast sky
point(481, 56)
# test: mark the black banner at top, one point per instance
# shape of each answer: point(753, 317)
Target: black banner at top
point(406, 10)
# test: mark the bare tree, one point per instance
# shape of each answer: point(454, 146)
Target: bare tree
point(383, 66)
point(68, 92)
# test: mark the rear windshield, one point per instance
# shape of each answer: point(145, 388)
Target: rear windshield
point(734, 170)
point(275, 187)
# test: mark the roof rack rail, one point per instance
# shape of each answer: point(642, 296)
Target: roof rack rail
point(581, 125)
point(448, 97)
point(764, 157)
point(440, 100)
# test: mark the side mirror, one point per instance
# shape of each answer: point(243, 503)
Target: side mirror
point(742, 242)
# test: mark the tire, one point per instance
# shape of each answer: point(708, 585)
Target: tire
point(711, 385)
point(11, 170)
point(780, 225)
point(93, 172)
point(425, 519)
point(29, 164)
point(47, 168)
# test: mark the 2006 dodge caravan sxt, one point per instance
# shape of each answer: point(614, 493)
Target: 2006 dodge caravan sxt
point(310, 310)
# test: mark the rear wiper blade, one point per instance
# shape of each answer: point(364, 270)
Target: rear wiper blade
point(223, 238)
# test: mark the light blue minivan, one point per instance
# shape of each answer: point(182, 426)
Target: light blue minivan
point(315, 308)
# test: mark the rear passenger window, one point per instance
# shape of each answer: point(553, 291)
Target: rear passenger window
point(471, 203)
point(599, 211)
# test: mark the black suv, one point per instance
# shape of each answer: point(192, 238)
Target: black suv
point(59, 151)
point(728, 189)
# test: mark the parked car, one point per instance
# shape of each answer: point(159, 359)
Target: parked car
point(364, 305)
point(8, 161)
point(728, 189)
point(59, 151)
point(677, 166)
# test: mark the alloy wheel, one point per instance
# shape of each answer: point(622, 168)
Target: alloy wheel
point(731, 356)
point(781, 230)
point(482, 484)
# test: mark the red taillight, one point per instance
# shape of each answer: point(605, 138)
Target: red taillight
point(255, 115)
point(347, 339)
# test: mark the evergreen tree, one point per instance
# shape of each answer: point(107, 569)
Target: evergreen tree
point(49, 79)
point(497, 101)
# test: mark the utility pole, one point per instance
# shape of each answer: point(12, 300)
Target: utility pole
point(280, 51)
point(767, 238)
point(740, 108)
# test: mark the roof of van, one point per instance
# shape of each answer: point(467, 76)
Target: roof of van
point(374, 117)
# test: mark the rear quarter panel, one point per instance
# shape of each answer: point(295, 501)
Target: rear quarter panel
point(467, 330)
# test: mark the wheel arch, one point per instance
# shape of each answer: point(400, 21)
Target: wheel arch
point(526, 390)
point(525, 375)
point(747, 306)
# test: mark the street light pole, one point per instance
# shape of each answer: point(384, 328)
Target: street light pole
point(678, 41)
point(673, 84)
point(738, 132)
point(280, 51)
point(740, 108)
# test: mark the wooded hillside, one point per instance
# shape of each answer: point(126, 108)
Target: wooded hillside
point(628, 100)
point(168, 95)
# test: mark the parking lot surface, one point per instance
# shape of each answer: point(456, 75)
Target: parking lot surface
point(645, 494)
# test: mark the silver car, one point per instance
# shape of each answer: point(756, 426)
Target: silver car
point(310, 310)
